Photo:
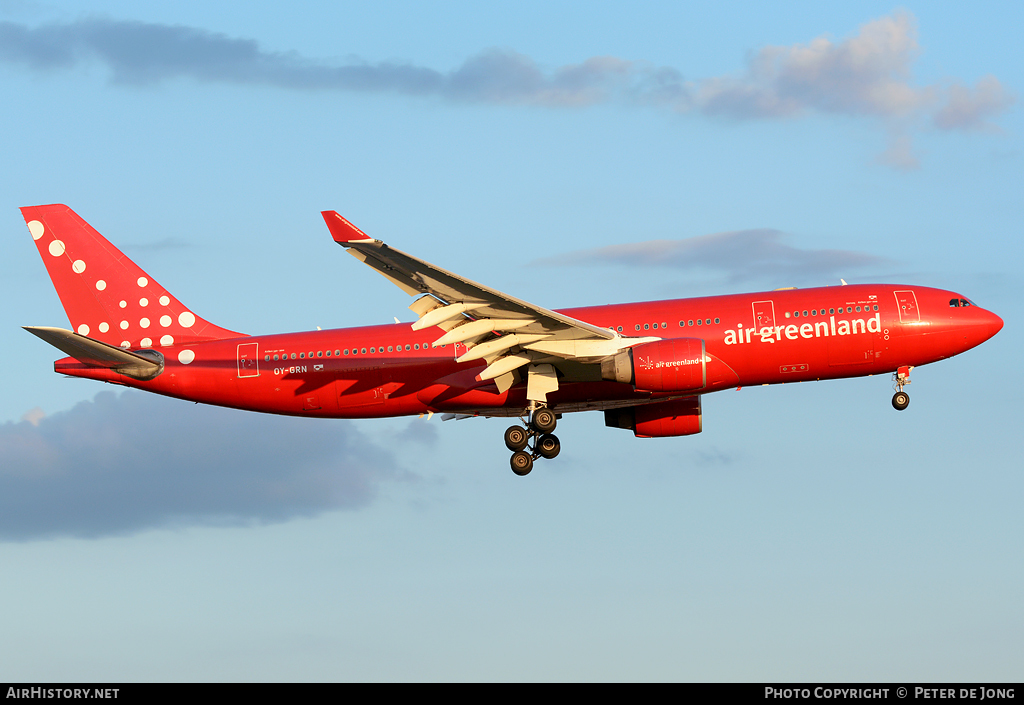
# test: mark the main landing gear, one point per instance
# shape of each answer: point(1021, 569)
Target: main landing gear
point(901, 378)
point(534, 441)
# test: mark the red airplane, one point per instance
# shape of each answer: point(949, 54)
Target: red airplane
point(477, 351)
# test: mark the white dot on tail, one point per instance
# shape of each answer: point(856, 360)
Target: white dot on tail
point(101, 285)
point(123, 304)
point(125, 344)
point(143, 281)
point(185, 357)
point(78, 267)
point(143, 303)
point(146, 343)
point(165, 321)
point(144, 323)
point(56, 248)
point(124, 325)
point(36, 228)
point(104, 327)
point(167, 340)
point(187, 319)
point(83, 329)
point(164, 300)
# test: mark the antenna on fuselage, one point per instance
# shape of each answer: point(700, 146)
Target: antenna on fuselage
point(843, 282)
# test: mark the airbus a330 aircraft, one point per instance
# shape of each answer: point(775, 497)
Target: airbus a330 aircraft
point(477, 351)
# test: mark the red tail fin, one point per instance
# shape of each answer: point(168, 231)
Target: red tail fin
point(107, 296)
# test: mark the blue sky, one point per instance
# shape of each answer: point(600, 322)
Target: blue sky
point(810, 532)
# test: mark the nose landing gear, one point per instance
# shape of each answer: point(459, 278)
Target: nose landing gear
point(538, 433)
point(901, 378)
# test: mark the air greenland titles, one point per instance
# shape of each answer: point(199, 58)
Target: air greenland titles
point(479, 352)
point(771, 334)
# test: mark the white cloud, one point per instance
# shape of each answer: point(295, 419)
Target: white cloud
point(866, 75)
point(742, 255)
point(120, 464)
point(969, 108)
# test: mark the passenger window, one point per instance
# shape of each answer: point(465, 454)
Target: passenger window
point(814, 312)
point(276, 358)
point(876, 307)
point(719, 320)
point(664, 325)
point(682, 324)
point(638, 326)
point(858, 309)
point(689, 323)
point(619, 329)
point(373, 350)
point(654, 326)
point(805, 314)
point(416, 346)
point(788, 315)
point(320, 353)
point(362, 351)
point(302, 356)
point(391, 348)
point(698, 321)
point(293, 356)
point(646, 326)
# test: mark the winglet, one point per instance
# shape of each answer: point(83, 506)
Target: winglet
point(343, 231)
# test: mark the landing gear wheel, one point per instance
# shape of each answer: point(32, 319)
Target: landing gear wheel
point(516, 438)
point(548, 446)
point(900, 401)
point(522, 463)
point(543, 421)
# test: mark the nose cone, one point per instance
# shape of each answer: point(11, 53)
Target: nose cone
point(981, 326)
point(990, 324)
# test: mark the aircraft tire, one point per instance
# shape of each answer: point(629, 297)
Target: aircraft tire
point(543, 421)
point(516, 438)
point(548, 446)
point(522, 463)
point(900, 401)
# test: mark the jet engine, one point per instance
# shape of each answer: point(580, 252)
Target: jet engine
point(670, 365)
point(677, 417)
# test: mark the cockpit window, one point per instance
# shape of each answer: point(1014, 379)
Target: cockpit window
point(965, 302)
point(954, 303)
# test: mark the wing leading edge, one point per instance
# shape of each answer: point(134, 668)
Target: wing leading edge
point(506, 332)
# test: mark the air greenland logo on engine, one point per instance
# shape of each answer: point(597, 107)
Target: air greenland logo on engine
point(818, 329)
point(647, 363)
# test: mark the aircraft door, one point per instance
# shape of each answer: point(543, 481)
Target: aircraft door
point(906, 303)
point(764, 315)
point(248, 360)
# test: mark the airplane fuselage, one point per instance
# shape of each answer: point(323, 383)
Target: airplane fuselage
point(761, 338)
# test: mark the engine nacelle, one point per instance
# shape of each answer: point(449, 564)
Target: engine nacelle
point(670, 365)
point(678, 417)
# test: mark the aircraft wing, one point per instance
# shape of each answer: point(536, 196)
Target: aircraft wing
point(504, 331)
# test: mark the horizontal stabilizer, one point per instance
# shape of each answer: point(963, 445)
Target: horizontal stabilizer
point(96, 354)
